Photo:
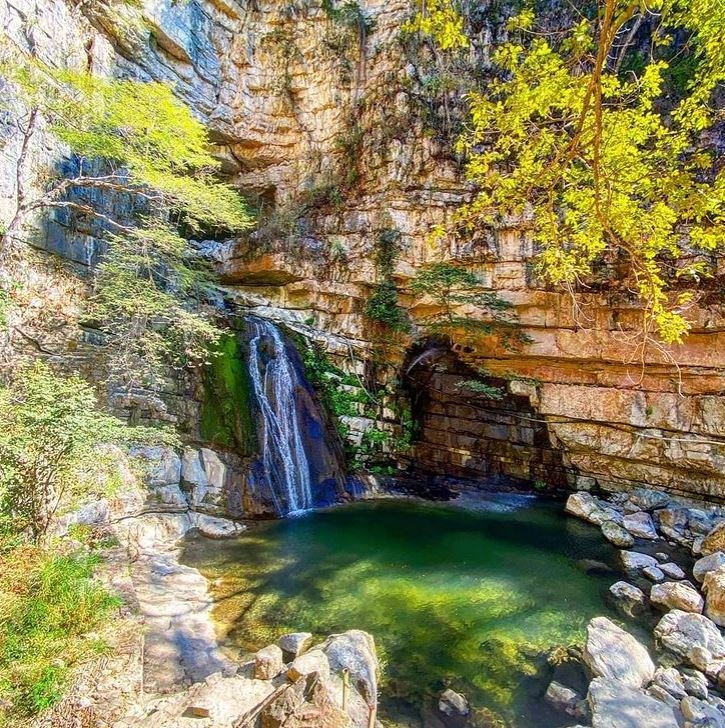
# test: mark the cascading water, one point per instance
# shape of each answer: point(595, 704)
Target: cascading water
point(276, 382)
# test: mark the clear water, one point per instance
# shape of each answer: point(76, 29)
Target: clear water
point(470, 598)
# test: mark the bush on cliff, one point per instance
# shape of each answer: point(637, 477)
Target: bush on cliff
point(50, 434)
point(141, 177)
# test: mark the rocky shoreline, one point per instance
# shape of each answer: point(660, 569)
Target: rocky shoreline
point(679, 682)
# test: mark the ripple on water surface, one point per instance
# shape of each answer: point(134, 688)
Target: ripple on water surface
point(469, 598)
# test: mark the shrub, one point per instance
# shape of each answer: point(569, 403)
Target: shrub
point(48, 602)
point(50, 429)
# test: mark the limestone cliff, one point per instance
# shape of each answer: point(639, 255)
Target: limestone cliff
point(334, 123)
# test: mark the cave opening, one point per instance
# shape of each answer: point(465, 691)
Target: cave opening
point(472, 425)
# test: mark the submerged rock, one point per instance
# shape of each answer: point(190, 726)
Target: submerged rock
point(452, 703)
point(564, 698)
point(708, 563)
point(675, 595)
point(615, 705)
point(611, 652)
point(713, 585)
point(628, 598)
point(616, 534)
point(694, 638)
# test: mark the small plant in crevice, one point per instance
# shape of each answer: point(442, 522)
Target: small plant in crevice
point(481, 388)
point(451, 285)
point(383, 306)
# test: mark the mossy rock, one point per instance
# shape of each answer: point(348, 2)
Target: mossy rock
point(227, 418)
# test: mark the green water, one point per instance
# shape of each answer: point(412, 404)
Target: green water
point(454, 597)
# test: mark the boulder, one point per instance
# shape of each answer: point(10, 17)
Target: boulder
point(675, 595)
point(213, 527)
point(715, 540)
point(647, 499)
point(695, 683)
point(452, 703)
point(354, 651)
point(654, 573)
point(713, 585)
point(701, 714)
point(312, 661)
point(616, 534)
point(634, 561)
point(669, 679)
point(268, 663)
point(673, 523)
point(295, 643)
point(663, 696)
point(614, 705)
point(564, 698)
point(630, 600)
point(611, 652)
point(708, 563)
point(672, 570)
point(586, 506)
point(694, 638)
point(641, 525)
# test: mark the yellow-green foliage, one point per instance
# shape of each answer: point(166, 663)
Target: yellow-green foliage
point(441, 21)
point(592, 159)
point(132, 139)
point(48, 603)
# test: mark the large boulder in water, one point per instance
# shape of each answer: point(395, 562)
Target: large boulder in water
point(611, 652)
point(627, 598)
point(354, 652)
point(615, 705)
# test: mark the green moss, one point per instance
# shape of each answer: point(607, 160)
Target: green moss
point(226, 411)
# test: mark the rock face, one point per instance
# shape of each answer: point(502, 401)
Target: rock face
point(612, 653)
point(339, 144)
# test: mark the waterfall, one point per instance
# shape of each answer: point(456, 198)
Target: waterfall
point(276, 382)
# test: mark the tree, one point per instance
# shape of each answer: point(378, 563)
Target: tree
point(594, 156)
point(450, 286)
point(132, 139)
point(50, 432)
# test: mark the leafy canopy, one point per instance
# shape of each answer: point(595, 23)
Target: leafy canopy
point(132, 139)
point(50, 432)
point(605, 169)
